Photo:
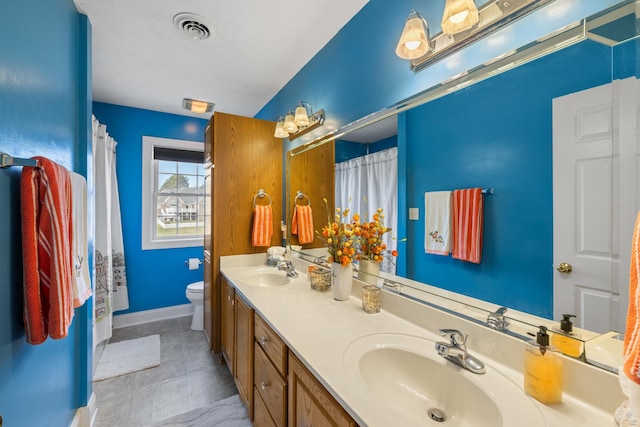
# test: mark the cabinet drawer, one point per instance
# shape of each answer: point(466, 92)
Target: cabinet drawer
point(261, 415)
point(271, 387)
point(272, 345)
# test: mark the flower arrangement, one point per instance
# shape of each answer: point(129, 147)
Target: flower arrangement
point(339, 237)
point(371, 245)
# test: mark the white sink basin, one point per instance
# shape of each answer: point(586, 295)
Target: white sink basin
point(415, 386)
point(266, 278)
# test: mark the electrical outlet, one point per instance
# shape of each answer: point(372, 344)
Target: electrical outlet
point(414, 214)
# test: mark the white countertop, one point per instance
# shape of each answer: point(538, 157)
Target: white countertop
point(319, 329)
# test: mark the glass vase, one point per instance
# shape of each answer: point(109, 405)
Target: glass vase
point(368, 271)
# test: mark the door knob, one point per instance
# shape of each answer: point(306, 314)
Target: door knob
point(564, 268)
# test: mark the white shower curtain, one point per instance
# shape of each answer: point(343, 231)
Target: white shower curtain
point(111, 281)
point(367, 183)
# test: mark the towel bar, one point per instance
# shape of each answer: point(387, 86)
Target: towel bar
point(8, 161)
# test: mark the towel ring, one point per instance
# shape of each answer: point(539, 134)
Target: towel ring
point(301, 195)
point(261, 195)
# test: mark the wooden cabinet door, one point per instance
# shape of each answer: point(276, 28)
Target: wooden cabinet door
point(310, 404)
point(243, 373)
point(207, 296)
point(228, 323)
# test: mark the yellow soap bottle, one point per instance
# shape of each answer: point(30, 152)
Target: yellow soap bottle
point(543, 369)
point(566, 340)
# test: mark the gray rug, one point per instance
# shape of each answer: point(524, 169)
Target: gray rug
point(229, 412)
point(125, 357)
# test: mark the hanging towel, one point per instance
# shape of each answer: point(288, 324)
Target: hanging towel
point(468, 218)
point(80, 251)
point(628, 414)
point(47, 235)
point(302, 224)
point(437, 234)
point(262, 225)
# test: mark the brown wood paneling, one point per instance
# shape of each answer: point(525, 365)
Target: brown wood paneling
point(228, 331)
point(313, 173)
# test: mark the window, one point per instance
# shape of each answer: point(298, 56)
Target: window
point(173, 193)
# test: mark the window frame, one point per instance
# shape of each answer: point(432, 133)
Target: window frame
point(149, 186)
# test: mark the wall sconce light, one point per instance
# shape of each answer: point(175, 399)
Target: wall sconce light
point(196, 106)
point(297, 123)
point(462, 24)
point(414, 41)
point(459, 16)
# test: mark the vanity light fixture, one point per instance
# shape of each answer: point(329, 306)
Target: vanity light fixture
point(463, 23)
point(459, 16)
point(280, 132)
point(196, 106)
point(297, 123)
point(414, 41)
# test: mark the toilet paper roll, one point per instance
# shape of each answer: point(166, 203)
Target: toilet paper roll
point(194, 263)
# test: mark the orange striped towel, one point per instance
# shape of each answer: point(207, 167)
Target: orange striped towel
point(262, 225)
point(631, 353)
point(468, 218)
point(47, 235)
point(302, 224)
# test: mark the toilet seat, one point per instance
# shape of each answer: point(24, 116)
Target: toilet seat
point(196, 287)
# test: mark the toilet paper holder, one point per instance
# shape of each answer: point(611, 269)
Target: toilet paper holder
point(193, 263)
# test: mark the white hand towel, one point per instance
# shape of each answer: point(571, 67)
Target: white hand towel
point(80, 251)
point(437, 222)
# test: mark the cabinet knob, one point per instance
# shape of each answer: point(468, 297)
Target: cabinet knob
point(263, 340)
point(265, 384)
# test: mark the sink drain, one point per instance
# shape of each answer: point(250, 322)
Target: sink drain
point(436, 415)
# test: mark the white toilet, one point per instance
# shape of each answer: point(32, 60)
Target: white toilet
point(195, 294)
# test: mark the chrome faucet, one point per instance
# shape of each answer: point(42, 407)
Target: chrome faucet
point(456, 351)
point(497, 321)
point(287, 266)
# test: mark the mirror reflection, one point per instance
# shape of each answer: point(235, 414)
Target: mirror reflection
point(555, 137)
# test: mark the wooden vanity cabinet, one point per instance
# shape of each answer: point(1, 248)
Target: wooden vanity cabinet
point(310, 404)
point(270, 376)
point(237, 341)
point(243, 374)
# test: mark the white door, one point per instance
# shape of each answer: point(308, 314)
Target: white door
point(596, 198)
point(583, 219)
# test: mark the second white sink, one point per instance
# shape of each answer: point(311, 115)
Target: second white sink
point(265, 277)
point(418, 387)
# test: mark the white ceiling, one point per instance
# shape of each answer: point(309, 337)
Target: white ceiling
point(140, 59)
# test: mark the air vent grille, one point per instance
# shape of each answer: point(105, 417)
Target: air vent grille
point(193, 26)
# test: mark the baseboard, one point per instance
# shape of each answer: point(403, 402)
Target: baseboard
point(86, 415)
point(147, 316)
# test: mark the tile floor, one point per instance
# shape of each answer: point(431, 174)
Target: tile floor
point(188, 377)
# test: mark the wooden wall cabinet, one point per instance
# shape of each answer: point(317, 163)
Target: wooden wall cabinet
point(241, 156)
point(310, 404)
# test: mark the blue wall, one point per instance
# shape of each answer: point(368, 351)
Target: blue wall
point(156, 278)
point(347, 150)
point(44, 97)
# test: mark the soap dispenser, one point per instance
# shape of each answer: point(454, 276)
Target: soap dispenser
point(543, 369)
point(567, 341)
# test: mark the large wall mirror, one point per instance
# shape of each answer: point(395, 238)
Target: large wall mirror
point(551, 128)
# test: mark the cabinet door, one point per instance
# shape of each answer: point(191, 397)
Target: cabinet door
point(243, 373)
point(310, 404)
point(208, 332)
point(228, 323)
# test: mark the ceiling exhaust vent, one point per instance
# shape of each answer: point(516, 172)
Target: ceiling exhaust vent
point(193, 26)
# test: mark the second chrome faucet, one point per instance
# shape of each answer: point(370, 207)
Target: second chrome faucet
point(456, 351)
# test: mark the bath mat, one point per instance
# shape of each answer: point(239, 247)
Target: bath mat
point(125, 357)
point(229, 412)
